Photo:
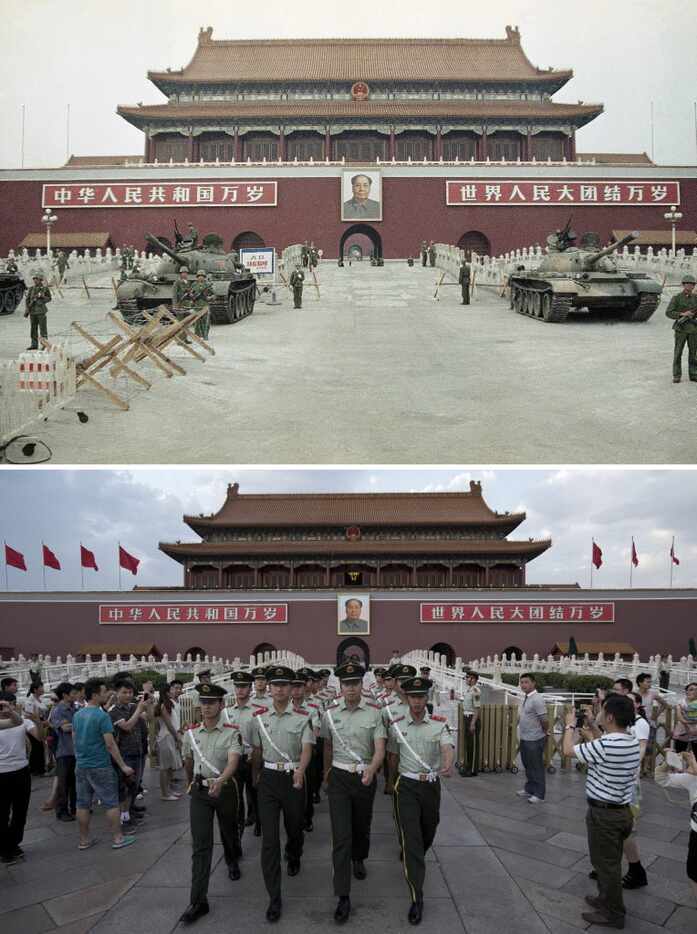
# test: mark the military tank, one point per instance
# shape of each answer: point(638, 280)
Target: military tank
point(12, 290)
point(570, 278)
point(234, 286)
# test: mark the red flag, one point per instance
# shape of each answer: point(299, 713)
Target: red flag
point(635, 556)
point(50, 560)
point(15, 559)
point(128, 562)
point(87, 558)
point(597, 555)
point(672, 553)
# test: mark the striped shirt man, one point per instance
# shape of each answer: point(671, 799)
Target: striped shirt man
point(613, 762)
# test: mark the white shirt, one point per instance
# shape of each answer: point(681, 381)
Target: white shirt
point(613, 762)
point(34, 706)
point(13, 747)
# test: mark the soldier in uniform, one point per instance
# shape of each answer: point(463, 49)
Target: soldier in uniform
point(426, 752)
point(181, 295)
point(62, 263)
point(211, 752)
point(395, 706)
point(424, 252)
point(260, 692)
point(432, 253)
point(11, 266)
point(241, 713)
point(315, 705)
point(464, 280)
point(282, 738)
point(354, 748)
point(204, 677)
point(300, 688)
point(471, 703)
point(37, 297)
point(305, 254)
point(201, 295)
point(296, 283)
point(683, 309)
point(192, 239)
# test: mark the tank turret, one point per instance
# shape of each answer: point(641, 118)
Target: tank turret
point(178, 258)
point(590, 260)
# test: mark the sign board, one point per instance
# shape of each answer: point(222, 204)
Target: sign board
point(471, 612)
point(160, 194)
point(261, 261)
point(561, 192)
point(132, 614)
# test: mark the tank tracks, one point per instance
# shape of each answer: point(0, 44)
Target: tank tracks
point(540, 303)
point(10, 297)
point(648, 303)
point(240, 304)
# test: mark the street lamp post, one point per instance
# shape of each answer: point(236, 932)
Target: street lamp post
point(50, 219)
point(673, 216)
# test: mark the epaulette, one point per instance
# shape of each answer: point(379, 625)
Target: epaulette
point(332, 706)
point(437, 716)
point(375, 706)
point(301, 710)
point(257, 704)
point(260, 711)
point(232, 726)
point(193, 726)
point(316, 706)
point(397, 719)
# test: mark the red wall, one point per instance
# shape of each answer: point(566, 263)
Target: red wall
point(651, 624)
point(309, 208)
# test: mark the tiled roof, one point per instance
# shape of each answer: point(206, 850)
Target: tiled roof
point(354, 509)
point(465, 549)
point(578, 114)
point(104, 160)
point(616, 158)
point(659, 237)
point(66, 241)
point(270, 60)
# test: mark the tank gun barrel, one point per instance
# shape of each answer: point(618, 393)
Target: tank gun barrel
point(594, 257)
point(153, 241)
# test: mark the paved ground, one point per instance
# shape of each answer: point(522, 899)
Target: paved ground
point(496, 861)
point(377, 372)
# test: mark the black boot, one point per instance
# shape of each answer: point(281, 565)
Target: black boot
point(233, 871)
point(293, 867)
point(416, 911)
point(635, 877)
point(359, 869)
point(343, 910)
point(194, 912)
point(273, 912)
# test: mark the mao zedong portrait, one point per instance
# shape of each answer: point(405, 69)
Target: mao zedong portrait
point(360, 205)
point(352, 621)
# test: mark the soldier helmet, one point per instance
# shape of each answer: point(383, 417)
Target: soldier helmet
point(200, 274)
point(688, 279)
point(183, 269)
point(37, 275)
point(210, 692)
point(417, 687)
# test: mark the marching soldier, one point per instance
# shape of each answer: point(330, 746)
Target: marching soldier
point(425, 672)
point(38, 296)
point(241, 713)
point(282, 738)
point(395, 706)
point(425, 753)
point(316, 706)
point(432, 253)
point(464, 280)
point(298, 696)
point(424, 252)
point(378, 689)
point(297, 279)
point(683, 309)
point(211, 752)
point(354, 748)
point(471, 703)
point(201, 295)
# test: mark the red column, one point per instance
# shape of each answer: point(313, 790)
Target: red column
point(439, 145)
point(392, 145)
point(190, 147)
point(571, 148)
point(220, 576)
point(236, 145)
point(282, 144)
point(327, 144)
point(528, 146)
point(483, 147)
point(146, 153)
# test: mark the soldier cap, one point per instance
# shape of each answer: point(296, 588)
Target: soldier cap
point(206, 671)
point(425, 668)
point(349, 671)
point(259, 672)
point(688, 279)
point(417, 687)
point(200, 274)
point(279, 674)
point(210, 692)
point(324, 672)
point(242, 678)
point(403, 671)
point(380, 672)
point(307, 674)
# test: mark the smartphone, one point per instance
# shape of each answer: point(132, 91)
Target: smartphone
point(675, 761)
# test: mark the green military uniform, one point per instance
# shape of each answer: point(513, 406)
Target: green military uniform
point(62, 263)
point(464, 280)
point(201, 294)
point(424, 252)
point(280, 738)
point(181, 294)
point(685, 331)
point(193, 235)
point(313, 782)
point(470, 703)
point(242, 715)
point(417, 789)
point(11, 267)
point(432, 254)
point(353, 733)
point(296, 283)
point(305, 254)
point(209, 750)
point(37, 297)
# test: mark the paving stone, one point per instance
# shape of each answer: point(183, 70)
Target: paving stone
point(502, 822)
point(683, 920)
point(545, 852)
point(81, 926)
point(49, 885)
point(174, 867)
point(146, 910)
point(671, 850)
point(33, 919)
point(668, 868)
point(557, 904)
point(534, 870)
point(98, 898)
point(638, 902)
point(557, 926)
point(570, 841)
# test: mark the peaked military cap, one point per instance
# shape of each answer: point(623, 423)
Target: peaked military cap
point(299, 677)
point(324, 672)
point(279, 674)
point(210, 691)
point(380, 672)
point(259, 672)
point(307, 674)
point(403, 671)
point(417, 687)
point(425, 668)
point(242, 678)
point(350, 671)
point(201, 273)
point(206, 671)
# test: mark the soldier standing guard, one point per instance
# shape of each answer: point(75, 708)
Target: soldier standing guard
point(260, 686)
point(296, 283)
point(424, 252)
point(201, 294)
point(464, 280)
point(305, 254)
point(354, 748)
point(432, 253)
point(683, 309)
point(63, 264)
point(471, 703)
point(282, 738)
point(426, 752)
point(211, 752)
point(38, 296)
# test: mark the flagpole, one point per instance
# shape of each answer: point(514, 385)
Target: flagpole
point(7, 579)
point(118, 554)
point(592, 543)
point(631, 564)
point(672, 552)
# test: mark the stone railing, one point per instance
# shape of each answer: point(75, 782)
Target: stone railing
point(80, 265)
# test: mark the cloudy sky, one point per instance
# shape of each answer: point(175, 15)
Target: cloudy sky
point(141, 507)
point(94, 56)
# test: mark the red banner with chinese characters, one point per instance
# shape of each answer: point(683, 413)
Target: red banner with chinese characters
point(161, 194)
point(147, 613)
point(561, 192)
point(467, 612)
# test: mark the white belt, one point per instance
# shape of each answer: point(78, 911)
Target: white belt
point(282, 766)
point(421, 776)
point(350, 767)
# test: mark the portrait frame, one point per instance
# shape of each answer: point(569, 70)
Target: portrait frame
point(344, 625)
point(348, 214)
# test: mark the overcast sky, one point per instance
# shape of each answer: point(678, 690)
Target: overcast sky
point(139, 508)
point(94, 56)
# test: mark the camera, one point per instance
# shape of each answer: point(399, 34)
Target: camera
point(580, 719)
